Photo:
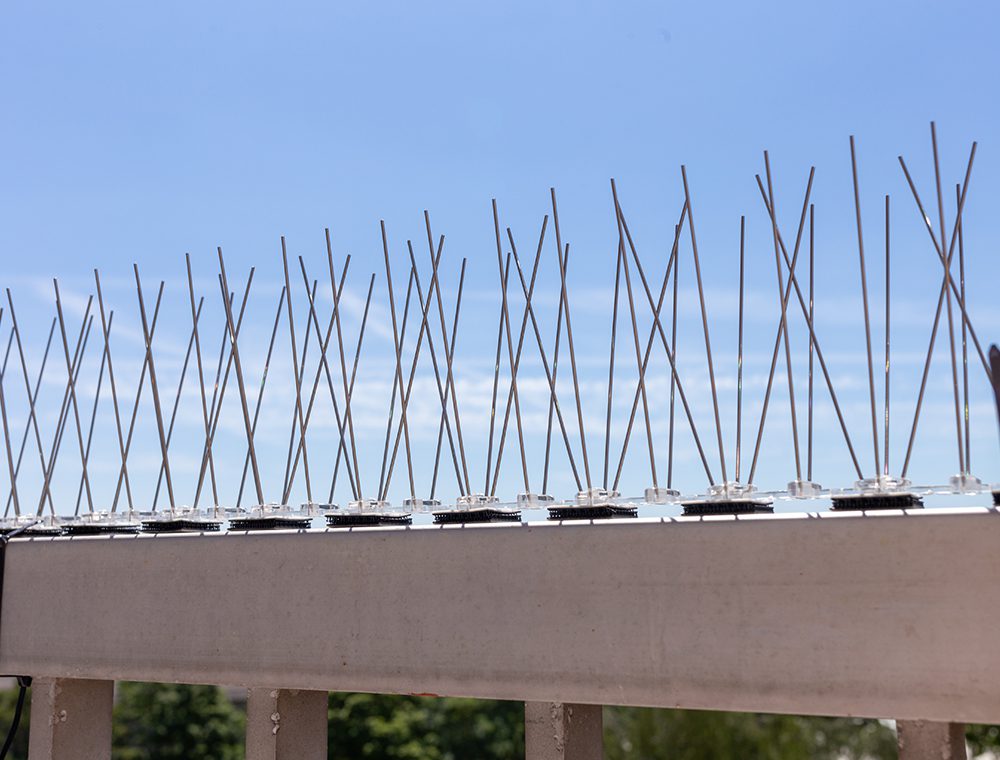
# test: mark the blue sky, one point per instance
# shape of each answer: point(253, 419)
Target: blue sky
point(136, 132)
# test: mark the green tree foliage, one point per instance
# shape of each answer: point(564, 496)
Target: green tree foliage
point(164, 722)
point(424, 728)
point(8, 700)
point(176, 722)
point(702, 735)
point(983, 739)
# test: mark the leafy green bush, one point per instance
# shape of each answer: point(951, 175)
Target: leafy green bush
point(176, 722)
point(424, 728)
point(631, 732)
point(8, 700)
point(170, 722)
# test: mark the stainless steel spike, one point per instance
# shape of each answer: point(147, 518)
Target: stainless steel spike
point(72, 391)
point(32, 423)
point(219, 391)
point(239, 379)
point(155, 389)
point(177, 401)
point(260, 392)
point(93, 420)
point(528, 497)
point(201, 377)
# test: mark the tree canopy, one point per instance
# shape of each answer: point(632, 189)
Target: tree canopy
point(170, 721)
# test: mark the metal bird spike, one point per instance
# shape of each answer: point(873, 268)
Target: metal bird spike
point(504, 272)
point(177, 402)
point(520, 347)
point(446, 392)
point(949, 281)
point(297, 423)
point(239, 379)
point(739, 360)
point(946, 282)
point(562, 254)
point(549, 376)
point(72, 390)
point(219, 391)
point(106, 335)
point(397, 340)
point(32, 417)
point(201, 376)
point(793, 282)
point(260, 392)
point(497, 360)
point(423, 330)
point(951, 323)
point(93, 420)
point(783, 306)
point(864, 303)
point(657, 329)
point(81, 344)
point(704, 322)
point(444, 406)
point(297, 377)
point(12, 475)
point(32, 423)
point(123, 472)
point(323, 369)
point(552, 397)
point(6, 436)
point(350, 387)
point(450, 379)
point(654, 492)
point(812, 343)
point(885, 431)
point(343, 365)
point(611, 353)
point(965, 335)
point(673, 382)
point(154, 388)
point(86, 381)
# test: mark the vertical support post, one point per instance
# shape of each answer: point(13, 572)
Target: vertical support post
point(286, 724)
point(559, 731)
point(928, 740)
point(70, 719)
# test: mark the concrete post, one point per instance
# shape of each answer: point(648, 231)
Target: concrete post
point(286, 724)
point(559, 731)
point(70, 719)
point(927, 740)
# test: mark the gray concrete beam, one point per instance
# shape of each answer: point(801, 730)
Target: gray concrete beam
point(70, 719)
point(559, 731)
point(927, 740)
point(831, 614)
point(286, 724)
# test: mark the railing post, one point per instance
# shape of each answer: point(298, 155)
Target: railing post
point(70, 719)
point(560, 731)
point(286, 724)
point(928, 740)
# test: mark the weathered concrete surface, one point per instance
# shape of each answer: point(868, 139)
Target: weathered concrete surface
point(837, 614)
point(558, 731)
point(926, 740)
point(286, 724)
point(70, 719)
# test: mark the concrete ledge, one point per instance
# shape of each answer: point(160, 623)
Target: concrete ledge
point(70, 719)
point(887, 615)
point(286, 725)
point(556, 731)
point(924, 740)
